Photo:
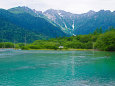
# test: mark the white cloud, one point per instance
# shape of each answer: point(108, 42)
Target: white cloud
point(75, 6)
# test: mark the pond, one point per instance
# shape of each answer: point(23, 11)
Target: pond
point(56, 68)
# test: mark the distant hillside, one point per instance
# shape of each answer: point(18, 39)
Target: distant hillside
point(13, 33)
point(34, 25)
point(33, 12)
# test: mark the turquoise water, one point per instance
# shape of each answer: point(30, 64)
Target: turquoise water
point(57, 68)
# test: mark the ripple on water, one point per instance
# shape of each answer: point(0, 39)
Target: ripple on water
point(56, 68)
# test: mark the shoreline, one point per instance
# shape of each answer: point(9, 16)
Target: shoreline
point(73, 50)
point(55, 49)
point(60, 49)
point(69, 49)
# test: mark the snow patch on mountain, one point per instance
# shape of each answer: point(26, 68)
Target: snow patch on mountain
point(50, 16)
point(60, 14)
point(73, 25)
point(65, 24)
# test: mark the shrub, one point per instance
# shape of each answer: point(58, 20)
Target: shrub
point(106, 41)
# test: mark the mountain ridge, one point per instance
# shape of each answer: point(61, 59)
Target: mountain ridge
point(79, 21)
point(57, 23)
point(37, 25)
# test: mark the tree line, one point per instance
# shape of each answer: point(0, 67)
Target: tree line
point(97, 40)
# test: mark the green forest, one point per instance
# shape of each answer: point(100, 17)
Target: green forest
point(96, 40)
point(17, 27)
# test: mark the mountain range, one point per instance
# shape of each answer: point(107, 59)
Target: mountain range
point(22, 23)
point(81, 23)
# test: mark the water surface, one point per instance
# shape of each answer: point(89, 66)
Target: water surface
point(57, 68)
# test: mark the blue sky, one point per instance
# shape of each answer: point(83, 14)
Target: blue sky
point(74, 6)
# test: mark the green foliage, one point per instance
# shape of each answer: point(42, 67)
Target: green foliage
point(39, 44)
point(21, 44)
point(74, 45)
point(6, 45)
point(85, 38)
point(25, 48)
point(98, 31)
point(10, 32)
point(89, 45)
point(106, 41)
point(34, 47)
point(110, 28)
